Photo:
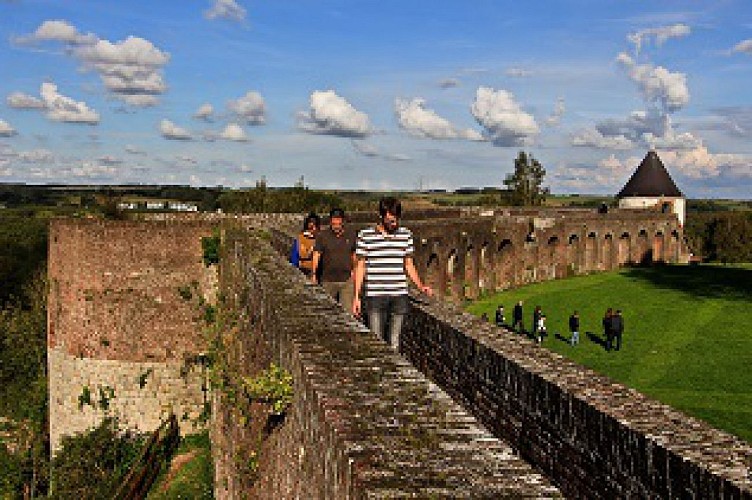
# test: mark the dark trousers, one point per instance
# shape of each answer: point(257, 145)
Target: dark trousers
point(389, 309)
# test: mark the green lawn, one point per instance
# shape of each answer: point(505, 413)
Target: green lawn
point(687, 338)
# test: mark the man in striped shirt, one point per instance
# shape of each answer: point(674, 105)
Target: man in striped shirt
point(384, 262)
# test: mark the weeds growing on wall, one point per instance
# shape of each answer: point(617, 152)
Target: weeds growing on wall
point(92, 464)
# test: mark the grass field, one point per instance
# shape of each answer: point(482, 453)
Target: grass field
point(687, 339)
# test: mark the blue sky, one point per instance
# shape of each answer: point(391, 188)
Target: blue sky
point(360, 94)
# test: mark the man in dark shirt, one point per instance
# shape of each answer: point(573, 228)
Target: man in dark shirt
point(574, 328)
point(333, 256)
point(500, 318)
point(517, 318)
point(617, 328)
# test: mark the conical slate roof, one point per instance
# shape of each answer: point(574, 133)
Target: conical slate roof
point(650, 179)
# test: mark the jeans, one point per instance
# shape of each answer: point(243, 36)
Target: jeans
point(575, 338)
point(391, 308)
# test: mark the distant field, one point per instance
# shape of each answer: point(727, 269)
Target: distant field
point(687, 341)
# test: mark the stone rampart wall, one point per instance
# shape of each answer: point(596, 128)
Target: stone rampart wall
point(124, 299)
point(363, 423)
point(593, 437)
point(140, 394)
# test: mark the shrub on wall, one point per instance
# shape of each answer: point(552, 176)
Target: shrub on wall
point(92, 464)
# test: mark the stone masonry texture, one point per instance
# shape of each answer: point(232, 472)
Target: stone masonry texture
point(363, 423)
point(464, 410)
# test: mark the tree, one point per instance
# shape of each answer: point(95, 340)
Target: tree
point(526, 183)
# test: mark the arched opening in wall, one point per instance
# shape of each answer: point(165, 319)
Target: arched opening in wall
point(504, 264)
point(573, 255)
point(658, 244)
point(591, 253)
point(470, 276)
point(675, 245)
point(485, 273)
point(622, 253)
point(433, 273)
point(452, 272)
point(645, 252)
point(554, 269)
point(608, 251)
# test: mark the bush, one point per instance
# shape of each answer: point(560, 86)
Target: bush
point(94, 463)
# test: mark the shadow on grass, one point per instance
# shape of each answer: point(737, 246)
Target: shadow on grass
point(704, 281)
point(596, 339)
point(561, 337)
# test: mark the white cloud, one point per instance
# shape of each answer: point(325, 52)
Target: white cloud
point(369, 150)
point(421, 122)
point(245, 168)
point(234, 132)
point(171, 131)
point(505, 123)
point(745, 46)
point(661, 35)
point(593, 138)
point(225, 9)
point(129, 69)
point(609, 173)
point(697, 163)
point(649, 129)
point(60, 31)
point(36, 156)
point(61, 108)
point(365, 149)
point(204, 112)
point(109, 160)
point(19, 100)
point(250, 108)
point(657, 84)
point(518, 72)
point(90, 170)
point(6, 130)
point(333, 115)
point(555, 117)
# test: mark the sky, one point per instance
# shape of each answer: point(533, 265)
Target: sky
point(376, 95)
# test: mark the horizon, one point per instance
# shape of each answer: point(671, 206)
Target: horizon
point(378, 96)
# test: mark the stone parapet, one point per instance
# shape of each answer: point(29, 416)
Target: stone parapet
point(593, 437)
point(363, 422)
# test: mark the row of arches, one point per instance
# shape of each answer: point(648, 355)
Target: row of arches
point(465, 268)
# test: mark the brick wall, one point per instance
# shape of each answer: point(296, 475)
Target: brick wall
point(593, 437)
point(115, 312)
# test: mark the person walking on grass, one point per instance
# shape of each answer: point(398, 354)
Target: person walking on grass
point(500, 318)
point(333, 259)
point(540, 330)
point(537, 312)
point(608, 328)
point(384, 256)
point(517, 324)
point(574, 328)
point(617, 328)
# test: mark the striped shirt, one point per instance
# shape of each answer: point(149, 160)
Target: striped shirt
point(385, 260)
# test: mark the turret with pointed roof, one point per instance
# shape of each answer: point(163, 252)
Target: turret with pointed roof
point(650, 179)
point(652, 186)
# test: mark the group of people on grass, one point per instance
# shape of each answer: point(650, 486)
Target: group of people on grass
point(613, 325)
point(365, 272)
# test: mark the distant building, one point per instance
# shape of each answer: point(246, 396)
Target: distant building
point(651, 186)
